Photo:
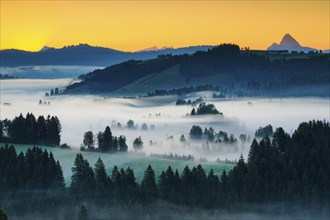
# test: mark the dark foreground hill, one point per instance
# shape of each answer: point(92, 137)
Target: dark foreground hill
point(242, 72)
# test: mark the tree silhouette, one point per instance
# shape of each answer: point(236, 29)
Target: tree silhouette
point(89, 139)
point(138, 144)
point(148, 185)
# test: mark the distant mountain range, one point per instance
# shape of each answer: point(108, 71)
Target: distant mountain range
point(290, 44)
point(85, 55)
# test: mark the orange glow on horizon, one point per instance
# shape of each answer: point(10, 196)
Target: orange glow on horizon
point(134, 25)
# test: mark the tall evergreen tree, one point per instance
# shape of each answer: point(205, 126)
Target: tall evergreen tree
point(148, 185)
point(59, 179)
point(102, 181)
point(89, 139)
point(31, 129)
point(122, 143)
point(82, 179)
point(41, 130)
point(107, 140)
point(17, 130)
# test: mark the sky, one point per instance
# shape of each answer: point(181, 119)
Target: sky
point(134, 25)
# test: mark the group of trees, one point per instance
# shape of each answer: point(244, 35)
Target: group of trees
point(29, 130)
point(287, 167)
point(87, 181)
point(196, 132)
point(189, 102)
point(6, 76)
point(105, 142)
point(172, 156)
point(53, 92)
point(36, 169)
point(191, 187)
point(204, 109)
point(284, 168)
point(263, 132)
point(245, 66)
point(137, 143)
point(184, 90)
point(144, 126)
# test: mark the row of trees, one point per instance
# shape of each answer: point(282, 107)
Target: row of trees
point(285, 168)
point(193, 186)
point(105, 141)
point(184, 90)
point(36, 169)
point(29, 130)
point(205, 109)
point(131, 125)
point(53, 92)
point(263, 132)
point(196, 132)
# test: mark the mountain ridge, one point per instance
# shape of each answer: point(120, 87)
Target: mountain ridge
point(291, 44)
point(84, 55)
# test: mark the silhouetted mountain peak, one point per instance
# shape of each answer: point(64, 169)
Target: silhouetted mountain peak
point(290, 44)
point(288, 40)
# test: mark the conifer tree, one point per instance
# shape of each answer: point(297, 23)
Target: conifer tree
point(148, 185)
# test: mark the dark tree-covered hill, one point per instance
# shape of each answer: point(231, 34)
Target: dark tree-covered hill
point(244, 72)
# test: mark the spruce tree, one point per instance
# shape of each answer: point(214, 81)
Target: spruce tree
point(83, 179)
point(148, 185)
point(101, 176)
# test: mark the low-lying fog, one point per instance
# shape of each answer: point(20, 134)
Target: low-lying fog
point(47, 72)
point(79, 114)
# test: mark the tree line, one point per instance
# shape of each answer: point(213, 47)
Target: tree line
point(286, 168)
point(205, 109)
point(31, 130)
point(197, 133)
point(105, 142)
point(268, 75)
point(184, 90)
point(34, 170)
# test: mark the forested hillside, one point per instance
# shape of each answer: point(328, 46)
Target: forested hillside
point(245, 72)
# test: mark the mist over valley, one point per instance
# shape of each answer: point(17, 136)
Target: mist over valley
point(192, 133)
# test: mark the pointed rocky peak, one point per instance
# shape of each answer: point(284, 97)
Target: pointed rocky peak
point(288, 40)
point(290, 44)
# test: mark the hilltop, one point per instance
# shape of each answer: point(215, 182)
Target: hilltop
point(239, 72)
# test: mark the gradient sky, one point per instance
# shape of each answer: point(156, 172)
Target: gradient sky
point(134, 25)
